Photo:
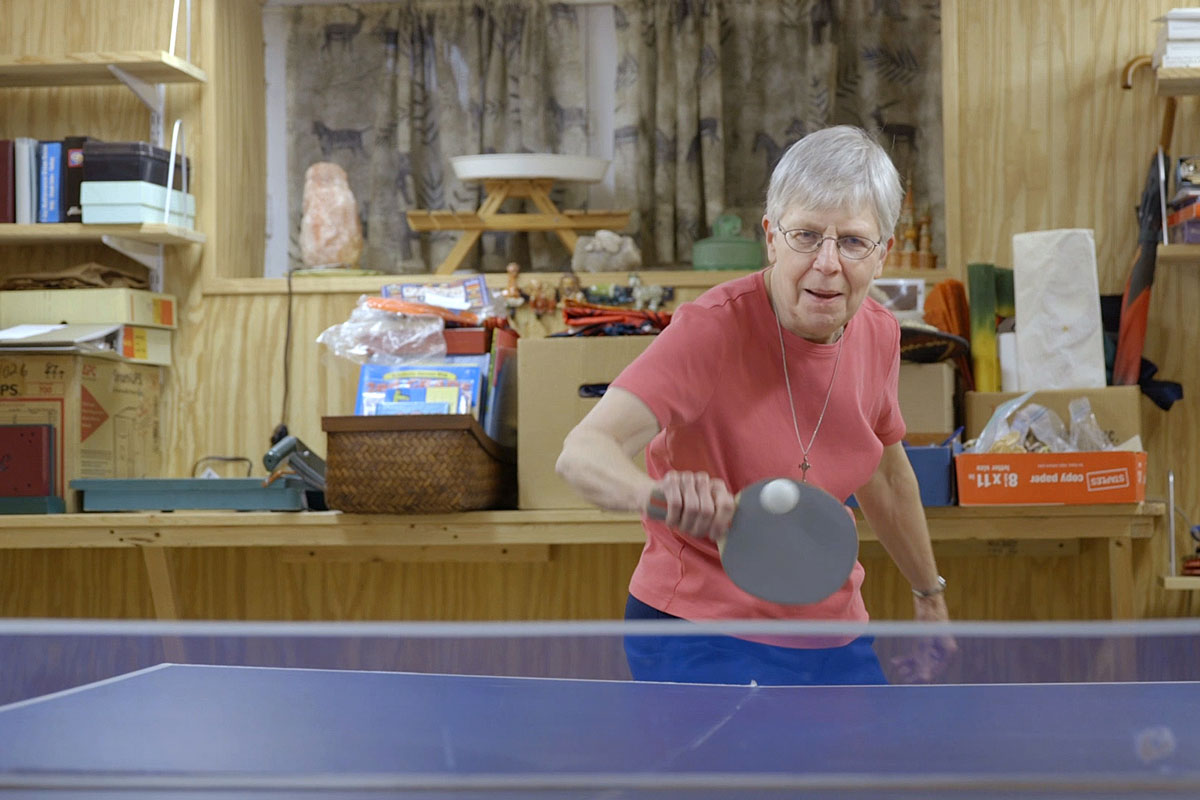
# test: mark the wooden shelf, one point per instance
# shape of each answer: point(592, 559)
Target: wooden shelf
point(534, 527)
point(320, 537)
point(1176, 81)
point(1178, 254)
point(92, 69)
point(1180, 583)
point(68, 232)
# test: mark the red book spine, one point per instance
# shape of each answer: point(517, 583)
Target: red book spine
point(8, 201)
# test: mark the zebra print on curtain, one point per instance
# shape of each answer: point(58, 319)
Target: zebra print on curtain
point(711, 92)
point(391, 91)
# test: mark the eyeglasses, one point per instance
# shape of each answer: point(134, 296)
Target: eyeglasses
point(804, 241)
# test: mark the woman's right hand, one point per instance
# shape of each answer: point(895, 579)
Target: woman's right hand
point(697, 504)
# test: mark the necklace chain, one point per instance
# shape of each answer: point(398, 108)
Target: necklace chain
point(804, 465)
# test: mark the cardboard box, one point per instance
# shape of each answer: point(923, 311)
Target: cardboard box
point(114, 305)
point(1056, 478)
point(1117, 408)
point(551, 372)
point(928, 396)
point(105, 413)
point(1109, 476)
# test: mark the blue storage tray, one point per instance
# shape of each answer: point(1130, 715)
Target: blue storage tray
point(177, 494)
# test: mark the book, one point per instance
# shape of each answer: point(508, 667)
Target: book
point(462, 295)
point(8, 211)
point(72, 156)
point(1180, 23)
point(26, 460)
point(1175, 52)
point(124, 342)
point(458, 381)
point(500, 409)
point(50, 179)
point(25, 180)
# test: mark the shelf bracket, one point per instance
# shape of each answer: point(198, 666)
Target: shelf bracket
point(147, 254)
point(175, 29)
point(153, 95)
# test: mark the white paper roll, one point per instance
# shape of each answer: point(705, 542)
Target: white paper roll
point(1060, 340)
point(1010, 372)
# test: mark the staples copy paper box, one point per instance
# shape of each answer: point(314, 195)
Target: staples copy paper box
point(105, 413)
point(1108, 476)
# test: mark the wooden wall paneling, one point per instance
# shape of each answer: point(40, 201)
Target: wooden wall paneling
point(578, 582)
point(1046, 137)
point(956, 267)
point(74, 583)
point(1172, 340)
point(234, 147)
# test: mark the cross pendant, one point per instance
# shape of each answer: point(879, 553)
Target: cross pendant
point(804, 467)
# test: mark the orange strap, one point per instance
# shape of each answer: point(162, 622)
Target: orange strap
point(398, 306)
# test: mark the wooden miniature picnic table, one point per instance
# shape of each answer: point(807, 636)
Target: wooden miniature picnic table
point(527, 175)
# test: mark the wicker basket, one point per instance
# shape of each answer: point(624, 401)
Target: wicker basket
point(415, 463)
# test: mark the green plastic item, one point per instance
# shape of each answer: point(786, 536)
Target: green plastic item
point(726, 249)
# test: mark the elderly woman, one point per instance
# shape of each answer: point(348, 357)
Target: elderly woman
point(789, 372)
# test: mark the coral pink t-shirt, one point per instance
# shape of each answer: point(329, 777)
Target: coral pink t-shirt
point(714, 380)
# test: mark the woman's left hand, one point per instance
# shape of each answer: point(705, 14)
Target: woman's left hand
point(929, 655)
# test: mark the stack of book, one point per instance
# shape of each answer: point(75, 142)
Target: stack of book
point(39, 180)
point(1178, 39)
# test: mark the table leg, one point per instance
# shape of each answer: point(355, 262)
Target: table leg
point(162, 595)
point(455, 257)
point(162, 592)
point(1120, 577)
point(544, 204)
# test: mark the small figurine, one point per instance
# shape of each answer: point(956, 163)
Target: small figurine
point(645, 297)
point(907, 219)
point(569, 287)
point(512, 294)
point(542, 298)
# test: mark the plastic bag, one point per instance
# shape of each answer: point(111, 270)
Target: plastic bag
point(1086, 433)
point(1046, 428)
point(382, 337)
point(998, 427)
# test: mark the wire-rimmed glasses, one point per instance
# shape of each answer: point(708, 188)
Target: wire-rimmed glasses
point(805, 241)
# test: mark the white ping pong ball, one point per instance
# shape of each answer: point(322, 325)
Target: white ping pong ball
point(779, 496)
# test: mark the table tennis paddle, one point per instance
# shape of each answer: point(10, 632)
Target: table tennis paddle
point(789, 542)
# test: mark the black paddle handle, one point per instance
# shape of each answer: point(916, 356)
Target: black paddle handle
point(656, 508)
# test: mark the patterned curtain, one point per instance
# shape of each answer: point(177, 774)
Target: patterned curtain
point(392, 91)
point(711, 92)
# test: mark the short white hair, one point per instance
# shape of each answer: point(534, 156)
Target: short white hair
point(837, 168)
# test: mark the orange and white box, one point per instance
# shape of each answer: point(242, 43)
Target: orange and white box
point(1109, 476)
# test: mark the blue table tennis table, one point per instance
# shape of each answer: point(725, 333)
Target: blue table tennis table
point(206, 731)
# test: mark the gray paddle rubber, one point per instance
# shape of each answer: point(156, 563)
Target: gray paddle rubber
point(798, 557)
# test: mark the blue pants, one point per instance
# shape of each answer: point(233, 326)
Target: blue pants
point(726, 659)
